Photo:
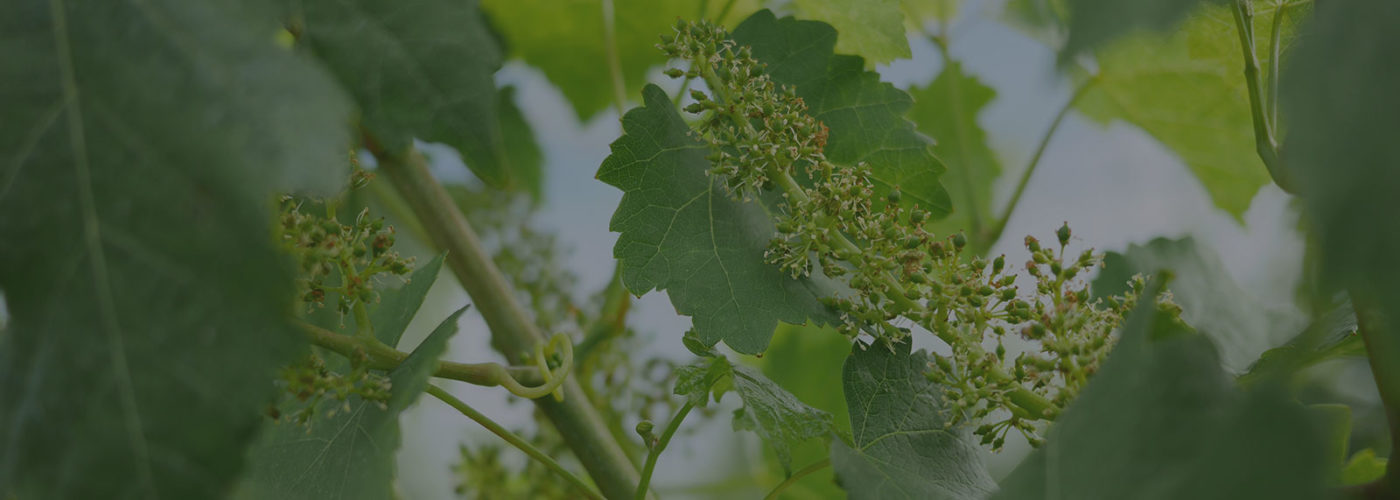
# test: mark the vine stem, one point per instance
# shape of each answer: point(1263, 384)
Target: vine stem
point(514, 440)
point(984, 242)
point(1036, 405)
point(614, 60)
point(1265, 143)
point(513, 332)
point(659, 447)
point(772, 495)
point(1275, 49)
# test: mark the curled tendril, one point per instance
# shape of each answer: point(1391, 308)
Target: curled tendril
point(558, 344)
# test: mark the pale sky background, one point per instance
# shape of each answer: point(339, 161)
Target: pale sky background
point(1115, 186)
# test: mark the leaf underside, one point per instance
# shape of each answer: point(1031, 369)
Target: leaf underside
point(901, 445)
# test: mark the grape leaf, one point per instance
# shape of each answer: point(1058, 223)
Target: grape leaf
point(901, 444)
point(871, 28)
point(806, 361)
point(683, 233)
point(397, 306)
point(775, 414)
point(1342, 111)
point(781, 419)
point(1161, 420)
point(351, 454)
point(140, 148)
point(697, 381)
point(570, 48)
point(423, 70)
point(946, 110)
point(1241, 327)
point(865, 115)
point(1187, 90)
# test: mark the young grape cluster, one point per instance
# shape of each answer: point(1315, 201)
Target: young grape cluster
point(343, 262)
point(901, 277)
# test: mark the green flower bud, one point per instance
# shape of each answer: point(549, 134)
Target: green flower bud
point(1063, 234)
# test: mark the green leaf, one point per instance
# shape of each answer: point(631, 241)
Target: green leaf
point(1241, 327)
point(569, 45)
point(398, 306)
point(806, 361)
point(870, 28)
point(1188, 91)
point(423, 69)
point(865, 115)
point(902, 446)
point(349, 455)
point(1161, 420)
point(947, 110)
point(697, 381)
point(683, 233)
point(140, 149)
point(1093, 22)
point(782, 420)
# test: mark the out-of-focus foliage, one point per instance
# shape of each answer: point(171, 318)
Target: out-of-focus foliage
point(142, 145)
point(390, 56)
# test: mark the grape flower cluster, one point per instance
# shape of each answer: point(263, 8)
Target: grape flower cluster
point(833, 220)
point(340, 262)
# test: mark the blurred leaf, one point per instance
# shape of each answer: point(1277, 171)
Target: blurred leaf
point(142, 145)
point(349, 455)
point(1241, 327)
point(902, 446)
point(564, 39)
point(865, 115)
point(917, 12)
point(1364, 467)
point(947, 110)
point(397, 306)
point(1094, 22)
point(1342, 110)
point(873, 29)
point(1334, 422)
point(1161, 420)
point(682, 233)
point(1188, 91)
point(423, 69)
point(1044, 20)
